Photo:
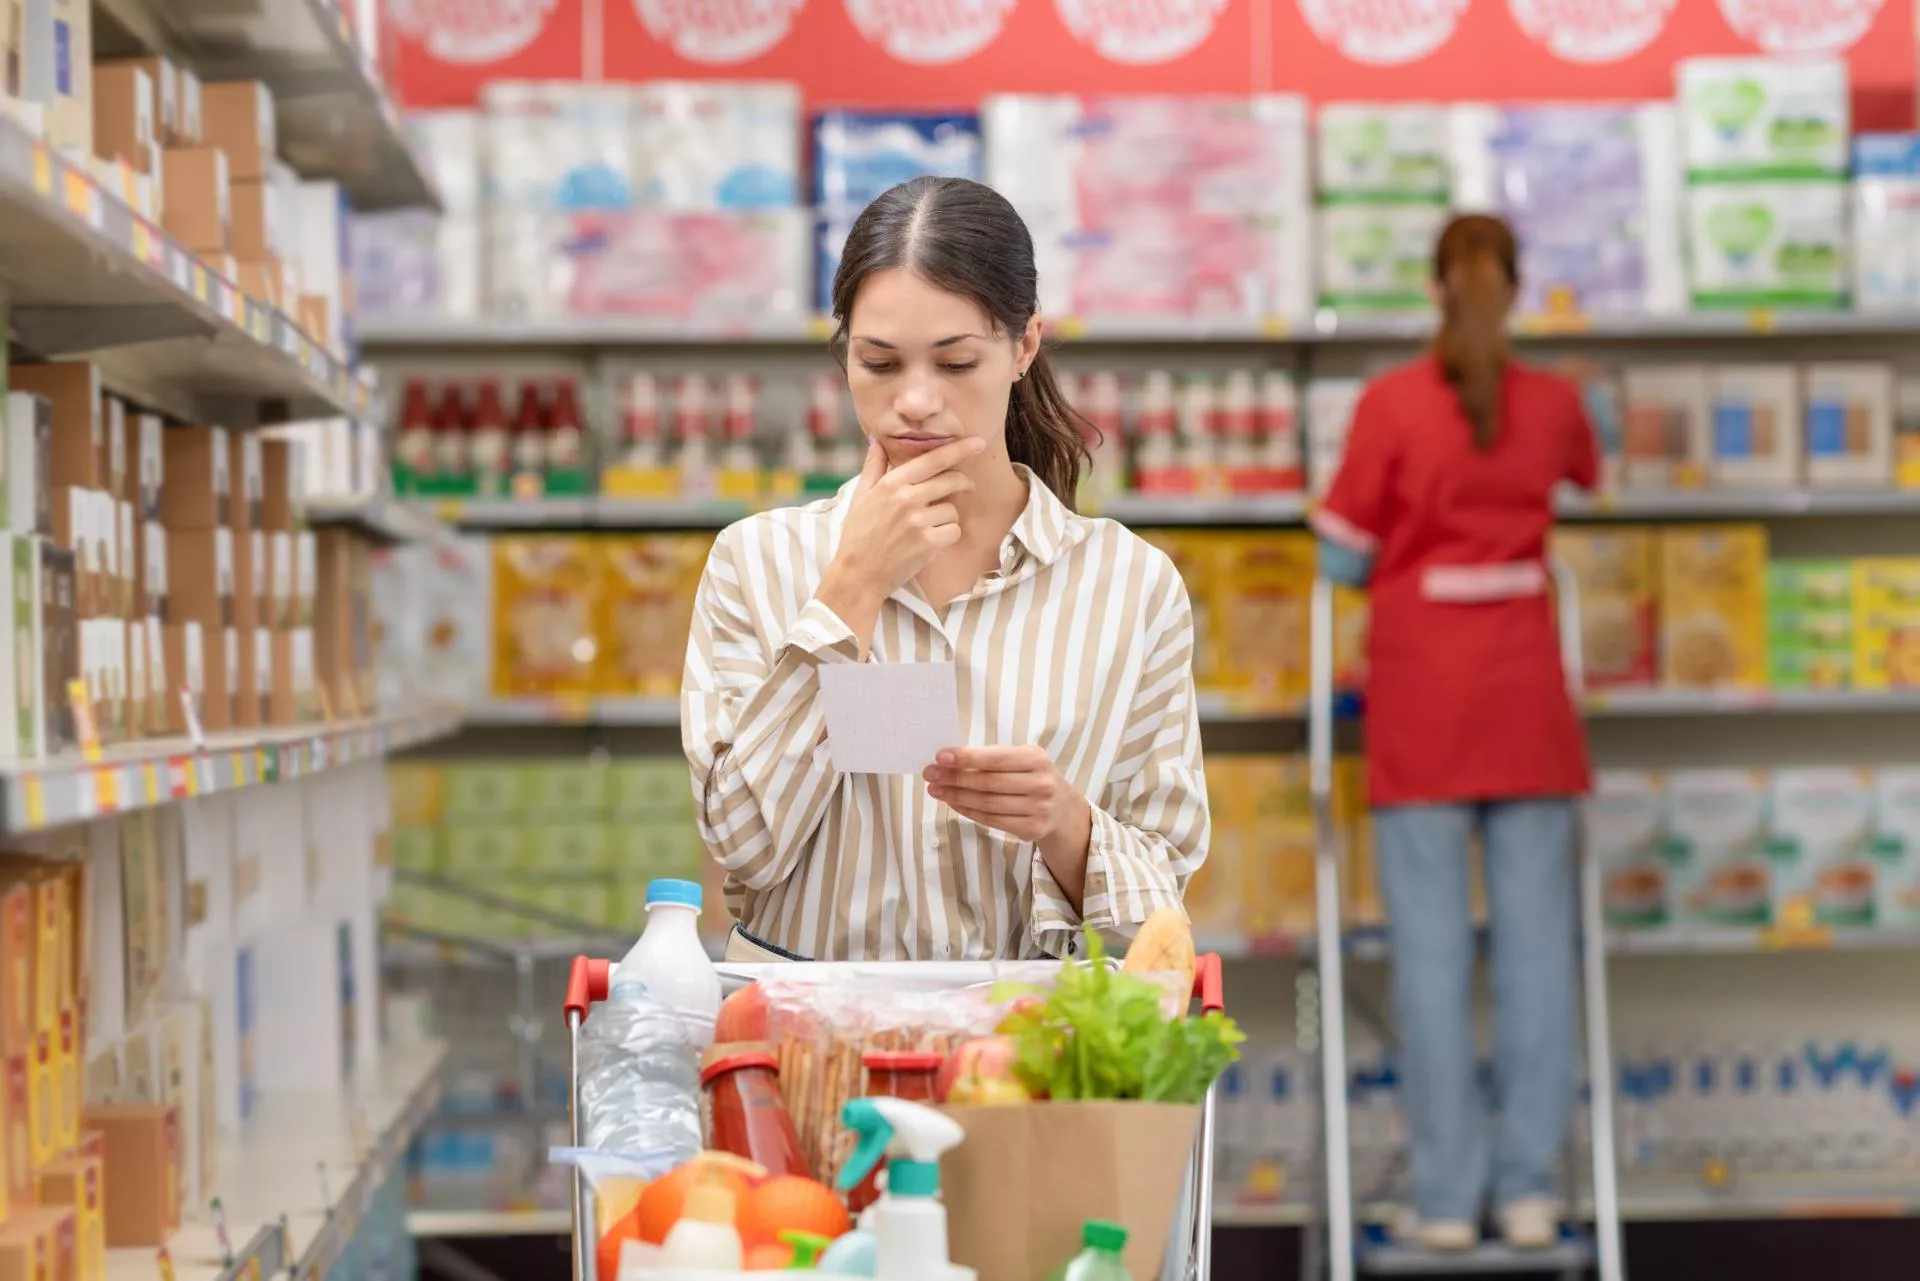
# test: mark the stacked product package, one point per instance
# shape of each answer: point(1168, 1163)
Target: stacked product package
point(1886, 221)
point(413, 261)
point(857, 155)
point(1160, 206)
point(1384, 186)
point(1593, 194)
point(1766, 147)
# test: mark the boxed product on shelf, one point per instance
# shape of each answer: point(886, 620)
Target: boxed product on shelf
point(1810, 622)
point(716, 144)
point(543, 640)
point(1377, 256)
point(1592, 192)
point(1626, 833)
point(1886, 221)
point(1666, 436)
point(196, 204)
point(1757, 420)
point(1717, 829)
point(1713, 603)
point(1886, 622)
point(1378, 149)
point(1617, 572)
point(1849, 424)
point(67, 93)
point(1261, 584)
point(1775, 243)
point(646, 608)
point(1895, 846)
point(1776, 116)
point(1818, 846)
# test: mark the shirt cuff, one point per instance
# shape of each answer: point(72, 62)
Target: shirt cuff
point(821, 634)
point(1056, 927)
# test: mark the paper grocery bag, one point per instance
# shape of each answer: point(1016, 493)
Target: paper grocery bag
point(1026, 1178)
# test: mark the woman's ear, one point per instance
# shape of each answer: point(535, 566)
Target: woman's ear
point(1028, 348)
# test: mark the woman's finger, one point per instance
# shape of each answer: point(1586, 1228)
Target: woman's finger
point(942, 514)
point(981, 802)
point(1003, 782)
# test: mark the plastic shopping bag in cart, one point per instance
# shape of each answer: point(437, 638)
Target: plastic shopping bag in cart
point(616, 1181)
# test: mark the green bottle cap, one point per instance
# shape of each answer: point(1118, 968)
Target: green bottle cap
point(807, 1249)
point(1098, 1234)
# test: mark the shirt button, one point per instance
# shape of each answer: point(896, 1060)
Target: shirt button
point(1073, 946)
point(946, 949)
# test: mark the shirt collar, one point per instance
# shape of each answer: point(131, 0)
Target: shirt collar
point(1045, 528)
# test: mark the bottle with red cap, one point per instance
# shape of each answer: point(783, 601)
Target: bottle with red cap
point(413, 446)
point(1156, 459)
point(641, 447)
point(1277, 435)
point(566, 442)
point(529, 461)
point(490, 444)
point(1099, 402)
point(452, 467)
point(740, 456)
point(1237, 458)
point(693, 436)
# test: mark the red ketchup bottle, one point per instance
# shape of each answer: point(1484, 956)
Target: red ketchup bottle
point(746, 1114)
point(892, 1074)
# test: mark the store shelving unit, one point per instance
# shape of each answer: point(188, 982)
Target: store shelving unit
point(380, 517)
point(87, 276)
point(297, 1182)
point(334, 117)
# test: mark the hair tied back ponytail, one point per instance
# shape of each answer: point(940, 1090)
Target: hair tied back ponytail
point(1476, 268)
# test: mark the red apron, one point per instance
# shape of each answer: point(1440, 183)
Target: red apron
point(1466, 698)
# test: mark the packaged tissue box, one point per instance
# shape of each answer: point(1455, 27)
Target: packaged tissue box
point(1756, 426)
point(558, 147)
point(1886, 221)
point(1764, 118)
point(1368, 149)
point(1593, 193)
point(700, 145)
point(859, 154)
point(1768, 244)
point(1377, 256)
point(1147, 261)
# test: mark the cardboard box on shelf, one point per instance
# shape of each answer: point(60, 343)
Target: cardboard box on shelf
point(1713, 599)
point(1850, 407)
point(28, 1248)
point(245, 481)
point(1757, 419)
point(17, 1021)
point(184, 645)
point(69, 118)
point(142, 1166)
point(1261, 588)
point(259, 233)
point(1720, 874)
point(43, 1129)
point(192, 115)
point(1666, 426)
point(197, 465)
point(1810, 624)
point(280, 590)
point(279, 477)
point(16, 1116)
point(197, 206)
point(123, 126)
point(59, 644)
point(66, 1077)
point(77, 1184)
point(544, 642)
point(201, 577)
point(73, 390)
point(1617, 569)
point(645, 602)
point(1818, 824)
point(154, 556)
point(127, 568)
point(306, 576)
point(146, 463)
point(1886, 622)
point(248, 693)
point(163, 83)
point(29, 462)
point(238, 118)
point(22, 734)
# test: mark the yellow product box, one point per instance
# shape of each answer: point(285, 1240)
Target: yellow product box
point(414, 794)
point(646, 610)
point(78, 1183)
point(1192, 553)
point(1361, 881)
point(43, 1099)
point(543, 613)
point(1215, 895)
point(16, 1128)
point(1279, 871)
point(1713, 601)
point(1351, 614)
point(48, 961)
point(1886, 622)
point(1261, 586)
point(1617, 571)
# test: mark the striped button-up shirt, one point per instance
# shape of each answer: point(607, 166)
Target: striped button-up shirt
point(1080, 643)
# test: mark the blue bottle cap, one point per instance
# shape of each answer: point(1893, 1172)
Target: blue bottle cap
point(676, 893)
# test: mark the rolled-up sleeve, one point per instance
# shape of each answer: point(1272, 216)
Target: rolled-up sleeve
point(1150, 822)
point(751, 723)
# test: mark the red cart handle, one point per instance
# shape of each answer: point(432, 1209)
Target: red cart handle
point(586, 984)
point(1209, 984)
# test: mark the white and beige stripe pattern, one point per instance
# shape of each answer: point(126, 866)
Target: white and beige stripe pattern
point(1081, 643)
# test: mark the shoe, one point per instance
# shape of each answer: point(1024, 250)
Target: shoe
point(1441, 1236)
point(1531, 1223)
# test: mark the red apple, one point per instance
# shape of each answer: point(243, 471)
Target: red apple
point(989, 1057)
point(743, 1017)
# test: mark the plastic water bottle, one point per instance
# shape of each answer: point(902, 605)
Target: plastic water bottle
point(671, 960)
point(639, 1050)
point(1100, 1258)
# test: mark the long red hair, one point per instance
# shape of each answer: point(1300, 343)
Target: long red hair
point(1476, 264)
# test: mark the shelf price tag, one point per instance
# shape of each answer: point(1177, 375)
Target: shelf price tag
point(42, 171)
point(82, 198)
point(150, 783)
point(36, 791)
point(85, 728)
point(142, 241)
point(106, 790)
point(1763, 320)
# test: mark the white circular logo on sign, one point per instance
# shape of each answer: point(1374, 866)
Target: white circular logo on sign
point(1140, 31)
point(1801, 26)
point(718, 31)
point(472, 32)
point(1383, 32)
point(1592, 30)
point(930, 31)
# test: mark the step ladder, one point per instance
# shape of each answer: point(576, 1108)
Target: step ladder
point(1369, 1250)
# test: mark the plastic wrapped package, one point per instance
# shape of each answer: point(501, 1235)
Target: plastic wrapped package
point(449, 143)
point(857, 155)
point(1886, 221)
point(1377, 256)
point(1366, 149)
point(412, 262)
point(558, 147)
point(1782, 117)
point(1779, 244)
point(704, 145)
point(1149, 261)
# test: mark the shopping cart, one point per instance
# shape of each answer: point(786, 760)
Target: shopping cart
point(1348, 1246)
point(1190, 1248)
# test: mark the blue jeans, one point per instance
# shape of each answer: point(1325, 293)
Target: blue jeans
point(1422, 852)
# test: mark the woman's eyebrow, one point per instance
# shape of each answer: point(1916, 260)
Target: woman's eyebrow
point(948, 341)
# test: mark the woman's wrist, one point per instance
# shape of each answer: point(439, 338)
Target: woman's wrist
point(1064, 850)
point(852, 600)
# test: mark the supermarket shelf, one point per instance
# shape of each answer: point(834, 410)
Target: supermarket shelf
point(333, 117)
point(1733, 504)
point(1369, 942)
point(1175, 509)
point(489, 1223)
point(1624, 703)
point(645, 713)
point(141, 775)
point(428, 333)
point(381, 517)
point(84, 275)
point(273, 1169)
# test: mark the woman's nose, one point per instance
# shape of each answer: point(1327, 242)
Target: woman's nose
point(917, 401)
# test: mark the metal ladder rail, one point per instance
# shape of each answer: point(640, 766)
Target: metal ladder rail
point(1337, 1156)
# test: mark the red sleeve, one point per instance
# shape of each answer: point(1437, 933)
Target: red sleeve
point(1583, 455)
point(1353, 514)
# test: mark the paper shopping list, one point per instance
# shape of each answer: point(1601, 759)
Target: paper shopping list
point(888, 718)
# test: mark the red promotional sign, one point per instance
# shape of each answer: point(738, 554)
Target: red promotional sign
point(948, 53)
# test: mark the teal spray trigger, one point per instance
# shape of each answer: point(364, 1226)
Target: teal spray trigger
point(907, 1226)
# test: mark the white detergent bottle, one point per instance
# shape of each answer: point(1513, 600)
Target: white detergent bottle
point(909, 1223)
point(705, 1239)
point(672, 962)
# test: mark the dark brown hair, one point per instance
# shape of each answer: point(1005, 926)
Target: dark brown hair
point(1476, 265)
point(966, 238)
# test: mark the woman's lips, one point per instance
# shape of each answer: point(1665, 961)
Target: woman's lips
point(922, 440)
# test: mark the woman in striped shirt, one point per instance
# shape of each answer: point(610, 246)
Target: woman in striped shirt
point(1076, 798)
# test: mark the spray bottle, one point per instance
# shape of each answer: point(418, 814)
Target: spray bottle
point(908, 1223)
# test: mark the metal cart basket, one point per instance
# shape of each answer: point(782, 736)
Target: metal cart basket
point(1190, 1249)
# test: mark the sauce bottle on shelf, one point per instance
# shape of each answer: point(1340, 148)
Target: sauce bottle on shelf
point(529, 443)
point(1277, 435)
point(1100, 403)
point(693, 433)
point(741, 455)
point(452, 467)
point(489, 458)
point(1156, 457)
point(640, 424)
point(1237, 460)
point(413, 448)
point(1199, 428)
point(745, 1113)
point(566, 441)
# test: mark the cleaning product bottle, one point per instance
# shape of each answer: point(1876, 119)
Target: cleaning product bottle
point(1100, 1256)
point(853, 1254)
point(705, 1238)
point(909, 1223)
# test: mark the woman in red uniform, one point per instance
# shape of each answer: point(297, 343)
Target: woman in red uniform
point(1442, 507)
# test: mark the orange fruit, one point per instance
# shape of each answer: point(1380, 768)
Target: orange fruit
point(791, 1202)
point(769, 1258)
point(660, 1205)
